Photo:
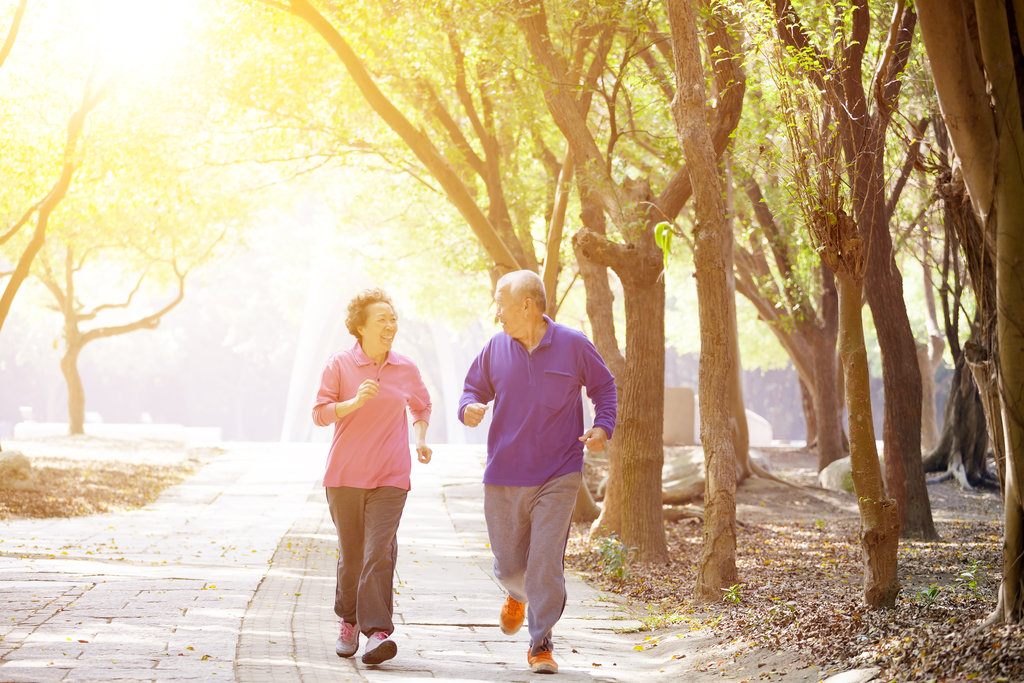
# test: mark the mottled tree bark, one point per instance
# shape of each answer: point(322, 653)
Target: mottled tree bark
point(879, 517)
point(716, 567)
point(828, 407)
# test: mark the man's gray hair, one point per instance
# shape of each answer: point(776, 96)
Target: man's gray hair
point(525, 284)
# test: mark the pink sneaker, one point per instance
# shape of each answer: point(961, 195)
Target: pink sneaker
point(348, 640)
point(379, 648)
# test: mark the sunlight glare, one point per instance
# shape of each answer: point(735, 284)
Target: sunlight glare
point(139, 36)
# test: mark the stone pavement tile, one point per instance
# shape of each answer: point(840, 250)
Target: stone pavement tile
point(111, 674)
point(230, 576)
point(158, 593)
point(35, 672)
point(446, 602)
point(289, 629)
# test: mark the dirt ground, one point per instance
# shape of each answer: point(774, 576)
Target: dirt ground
point(86, 475)
point(796, 613)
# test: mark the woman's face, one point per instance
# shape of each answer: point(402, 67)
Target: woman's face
point(377, 334)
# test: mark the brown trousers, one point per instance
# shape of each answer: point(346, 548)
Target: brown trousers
point(367, 521)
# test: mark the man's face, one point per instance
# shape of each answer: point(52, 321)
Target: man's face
point(380, 327)
point(511, 313)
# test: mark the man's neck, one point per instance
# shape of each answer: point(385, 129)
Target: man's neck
point(534, 334)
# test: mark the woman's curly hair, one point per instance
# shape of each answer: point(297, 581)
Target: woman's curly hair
point(356, 317)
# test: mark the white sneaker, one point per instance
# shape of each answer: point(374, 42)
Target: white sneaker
point(379, 648)
point(348, 640)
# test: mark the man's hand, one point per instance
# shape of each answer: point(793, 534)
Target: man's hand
point(594, 439)
point(473, 414)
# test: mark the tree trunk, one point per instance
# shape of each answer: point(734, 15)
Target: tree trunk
point(599, 304)
point(929, 357)
point(639, 434)
point(879, 519)
point(1010, 297)
point(600, 312)
point(76, 390)
point(901, 378)
point(638, 453)
point(586, 509)
point(828, 407)
point(716, 567)
point(737, 406)
point(999, 30)
point(638, 263)
point(986, 380)
point(963, 443)
point(929, 422)
point(810, 418)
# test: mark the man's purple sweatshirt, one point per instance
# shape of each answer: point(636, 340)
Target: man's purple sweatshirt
point(538, 408)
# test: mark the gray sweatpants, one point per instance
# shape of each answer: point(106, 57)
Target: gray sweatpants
point(528, 528)
point(367, 521)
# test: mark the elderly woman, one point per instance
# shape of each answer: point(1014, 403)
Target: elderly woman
point(364, 393)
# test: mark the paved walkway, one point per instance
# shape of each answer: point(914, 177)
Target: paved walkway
point(229, 577)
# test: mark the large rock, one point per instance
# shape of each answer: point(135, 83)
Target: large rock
point(759, 430)
point(679, 428)
point(682, 475)
point(16, 471)
point(837, 476)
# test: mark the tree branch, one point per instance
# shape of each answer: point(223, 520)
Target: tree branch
point(792, 33)
point(657, 70)
point(564, 108)
point(465, 99)
point(732, 86)
point(148, 322)
point(441, 113)
point(552, 262)
point(887, 79)
point(91, 97)
point(909, 162)
point(21, 222)
point(415, 139)
point(91, 315)
point(795, 345)
point(603, 251)
point(793, 294)
point(12, 32)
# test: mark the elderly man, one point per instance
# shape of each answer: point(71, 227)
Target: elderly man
point(533, 371)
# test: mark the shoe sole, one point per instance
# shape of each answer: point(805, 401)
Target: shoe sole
point(544, 669)
point(511, 631)
point(345, 653)
point(382, 653)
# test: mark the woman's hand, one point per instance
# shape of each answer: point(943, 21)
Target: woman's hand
point(367, 390)
point(423, 453)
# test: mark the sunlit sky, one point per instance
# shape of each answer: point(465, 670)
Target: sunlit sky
point(136, 36)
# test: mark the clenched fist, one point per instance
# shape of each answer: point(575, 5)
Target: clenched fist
point(473, 414)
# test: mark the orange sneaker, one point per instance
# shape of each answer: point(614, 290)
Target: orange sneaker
point(512, 613)
point(542, 662)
